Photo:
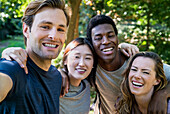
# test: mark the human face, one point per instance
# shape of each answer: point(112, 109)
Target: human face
point(105, 42)
point(79, 62)
point(48, 33)
point(142, 76)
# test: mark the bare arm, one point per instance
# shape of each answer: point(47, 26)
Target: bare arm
point(158, 104)
point(128, 49)
point(18, 54)
point(65, 83)
point(5, 85)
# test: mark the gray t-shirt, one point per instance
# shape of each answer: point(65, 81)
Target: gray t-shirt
point(108, 83)
point(77, 100)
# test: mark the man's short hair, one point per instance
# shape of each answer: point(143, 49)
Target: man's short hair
point(98, 20)
point(36, 5)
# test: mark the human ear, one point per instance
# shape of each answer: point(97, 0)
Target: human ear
point(157, 81)
point(25, 30)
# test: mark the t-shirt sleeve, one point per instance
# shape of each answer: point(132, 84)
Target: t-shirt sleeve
point(13, 70)
point(166, 68)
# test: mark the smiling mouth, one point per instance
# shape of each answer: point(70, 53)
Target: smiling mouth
point(137, 84)
point(107, 49)
point(50, 45)
point(81, 71)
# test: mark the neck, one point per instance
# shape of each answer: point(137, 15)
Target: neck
point(143, 101)
point(75, 82)
point(40, 62)
point(114, 64)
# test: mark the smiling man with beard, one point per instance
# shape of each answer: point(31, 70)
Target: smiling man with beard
point(44, 27)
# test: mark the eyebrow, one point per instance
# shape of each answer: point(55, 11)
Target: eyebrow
point(89, 55)
point(142, 69)
point(98, 34)
point(48, 22)
point(86, 54)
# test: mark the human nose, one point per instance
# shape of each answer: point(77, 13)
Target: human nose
point(105, 40)
point(137, 75)
point(53, 34)
point(81, 62)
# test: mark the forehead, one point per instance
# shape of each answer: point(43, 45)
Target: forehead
point(81, 49)
point(144, 62)
point(102, 28)
point(53, 15)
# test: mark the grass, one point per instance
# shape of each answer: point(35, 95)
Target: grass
point(16, 41)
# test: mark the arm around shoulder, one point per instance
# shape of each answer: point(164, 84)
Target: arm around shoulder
point(167, 71)
point(5, 85)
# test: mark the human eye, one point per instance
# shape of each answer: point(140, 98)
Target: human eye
point(146, 72)
point(88, 58)
point(133, 69)
point(61, 30)
point(76, 57)
point(111, 35)
point(45, 27)
point(98, 38)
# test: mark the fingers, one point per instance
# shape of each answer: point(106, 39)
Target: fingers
point(134, 49)
point(65, 83)
point(128, 48)
point(67, 86)
point(124, 52)
point(62, 93)
point(26, 70)
point(22, 56)
point(18, 54)
point(7, 57)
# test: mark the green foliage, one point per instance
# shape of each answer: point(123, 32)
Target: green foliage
point(58, 61)
point(11, 12)
point(145, 23)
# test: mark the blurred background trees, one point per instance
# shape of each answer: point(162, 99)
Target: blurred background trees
point(145, 23)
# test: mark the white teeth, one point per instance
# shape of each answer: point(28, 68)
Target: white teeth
point(137, 84)
point(81, 70)
point(108, 49)
point(50, 45)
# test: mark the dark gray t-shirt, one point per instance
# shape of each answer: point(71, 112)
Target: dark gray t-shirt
point(35, 93)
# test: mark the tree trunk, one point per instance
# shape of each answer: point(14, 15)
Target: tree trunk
point(73, 29)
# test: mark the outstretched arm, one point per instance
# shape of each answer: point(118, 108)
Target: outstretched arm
point(128, 49)
point(18, 54)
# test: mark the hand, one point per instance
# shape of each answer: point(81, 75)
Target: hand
point(158, 103)
point(128, 49)
point(18, 54)
point(65, 83)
